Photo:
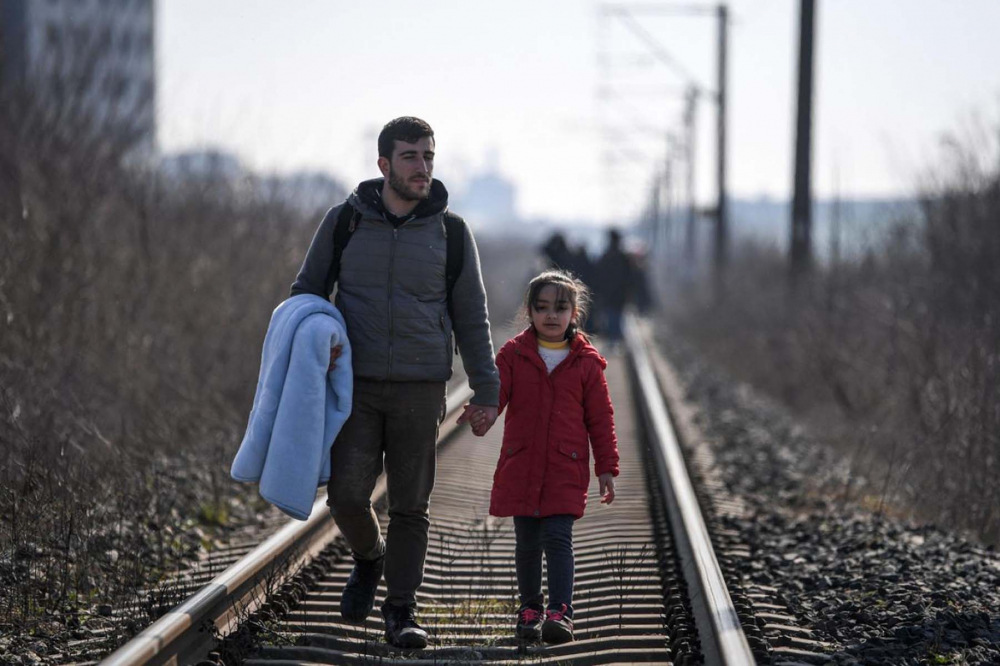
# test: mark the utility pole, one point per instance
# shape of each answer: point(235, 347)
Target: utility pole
point(655, 226)
point(690, 237)
point(624, 12)
point(721, 231)
point(668, 204)
point(801, 232)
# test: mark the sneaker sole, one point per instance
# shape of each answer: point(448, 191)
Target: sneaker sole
point(556, 634)
point(533, 635)
point(408, 642)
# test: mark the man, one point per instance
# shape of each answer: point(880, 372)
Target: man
point(613, 285)
point(393, 293)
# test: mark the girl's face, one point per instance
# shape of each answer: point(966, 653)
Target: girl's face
point(551, 315)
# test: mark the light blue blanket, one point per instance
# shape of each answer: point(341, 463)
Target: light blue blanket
point(299, 407)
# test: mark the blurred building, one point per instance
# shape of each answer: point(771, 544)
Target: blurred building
point(92, 57)
point(490, 200)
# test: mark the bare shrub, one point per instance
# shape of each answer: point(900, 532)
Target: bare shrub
point(132, 309)
point(133, 305)
point(897, 348)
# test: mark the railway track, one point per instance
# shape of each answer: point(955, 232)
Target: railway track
point(648, 586)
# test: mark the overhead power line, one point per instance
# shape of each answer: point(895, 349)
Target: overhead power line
point(655, 47)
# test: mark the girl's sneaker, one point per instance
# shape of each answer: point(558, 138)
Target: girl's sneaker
point(558, 626)
point(529, 622)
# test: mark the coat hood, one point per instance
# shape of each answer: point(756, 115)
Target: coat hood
point(578, 346)
point(367, 198)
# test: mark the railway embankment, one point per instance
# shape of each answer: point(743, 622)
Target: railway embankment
point(826, 540)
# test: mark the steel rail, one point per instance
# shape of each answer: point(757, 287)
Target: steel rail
point(185, 634)
point(188, 632)
point(468, 596)
point(722, 639)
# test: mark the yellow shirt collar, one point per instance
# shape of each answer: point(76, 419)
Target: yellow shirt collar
point(553, 345)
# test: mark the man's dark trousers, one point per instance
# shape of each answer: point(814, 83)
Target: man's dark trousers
point(398, 421)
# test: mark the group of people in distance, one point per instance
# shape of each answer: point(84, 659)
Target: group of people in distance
point(396, 298)
point(617, 278)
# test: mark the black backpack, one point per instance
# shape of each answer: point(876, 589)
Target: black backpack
point(348, 219)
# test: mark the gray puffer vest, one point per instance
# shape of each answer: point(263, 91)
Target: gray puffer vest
point(393, 294)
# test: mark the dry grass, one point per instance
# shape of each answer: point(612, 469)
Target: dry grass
point(132, 308)
point(898, 349)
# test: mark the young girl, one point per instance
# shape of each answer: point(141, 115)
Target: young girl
point(552, 386)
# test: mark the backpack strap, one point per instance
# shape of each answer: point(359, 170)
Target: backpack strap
point(347, 222)
point(455, 258)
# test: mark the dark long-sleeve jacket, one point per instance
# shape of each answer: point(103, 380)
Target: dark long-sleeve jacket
point(392, 292)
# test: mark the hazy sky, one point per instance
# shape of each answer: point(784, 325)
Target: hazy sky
point(514, 85)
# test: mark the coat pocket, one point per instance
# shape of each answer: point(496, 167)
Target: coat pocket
point(511, 465)
point(512, 448)
point(578, 456)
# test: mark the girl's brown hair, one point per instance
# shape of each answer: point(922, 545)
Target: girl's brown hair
point(567, 287)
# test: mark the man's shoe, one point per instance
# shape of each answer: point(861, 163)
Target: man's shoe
point(558, 626)
point(401, 628)
point(529, 622)
point(359, 594)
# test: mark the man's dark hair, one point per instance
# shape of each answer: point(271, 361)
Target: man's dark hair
point(406, 128)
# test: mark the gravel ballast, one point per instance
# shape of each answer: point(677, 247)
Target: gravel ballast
point(878, 589)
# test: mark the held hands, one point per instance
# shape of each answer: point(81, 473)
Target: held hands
point(334, 355)
point(606, 487)
point(479, 417)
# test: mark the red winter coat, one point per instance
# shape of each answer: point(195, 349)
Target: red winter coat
point(543, 468)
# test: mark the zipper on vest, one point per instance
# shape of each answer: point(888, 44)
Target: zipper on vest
point(392, 265)
point(447, 337)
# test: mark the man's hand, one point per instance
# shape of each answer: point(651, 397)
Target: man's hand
point(334, 355)
point(481, 418)
point(606, 487)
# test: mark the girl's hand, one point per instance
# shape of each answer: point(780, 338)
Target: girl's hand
point(606, 487)
point(481, 418)
point(334, 355)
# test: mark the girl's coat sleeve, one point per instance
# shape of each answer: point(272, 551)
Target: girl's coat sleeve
point(506, 375)
point(600, 420)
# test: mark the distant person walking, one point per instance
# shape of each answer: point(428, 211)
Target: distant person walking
point(613, 285)
point(557, 252)
point(558, 410)
point(403, 306)
point(561, 256)
point(642, 297)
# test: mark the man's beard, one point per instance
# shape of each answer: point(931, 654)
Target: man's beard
point(405, 193)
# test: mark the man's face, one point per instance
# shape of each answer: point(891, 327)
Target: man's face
point(410, 169)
